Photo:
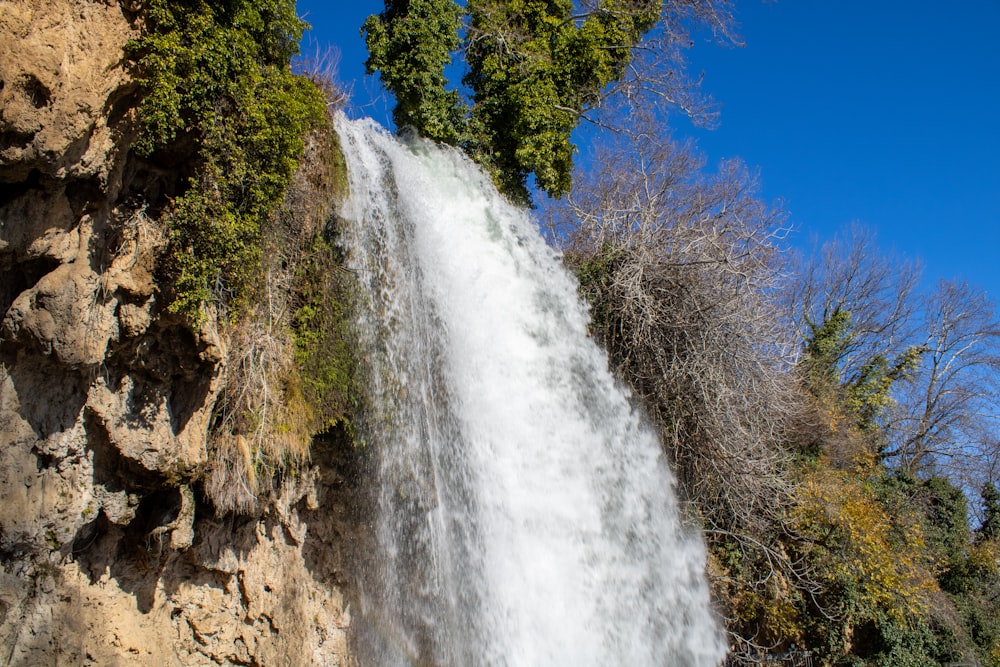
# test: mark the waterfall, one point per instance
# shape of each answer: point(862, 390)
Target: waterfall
point(523, 513)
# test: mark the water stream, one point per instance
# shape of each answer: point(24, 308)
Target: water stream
point(524, 514)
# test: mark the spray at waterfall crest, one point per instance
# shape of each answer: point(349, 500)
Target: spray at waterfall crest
point(524, 514)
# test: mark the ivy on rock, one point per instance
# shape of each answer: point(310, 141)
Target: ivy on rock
point(216, 75)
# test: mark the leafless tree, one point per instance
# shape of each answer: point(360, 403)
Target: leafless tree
point(679, 269)
point(851, 274)
point(657, 75)
point(946, 417)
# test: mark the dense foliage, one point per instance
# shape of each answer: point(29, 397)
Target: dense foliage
point(410, 45)
point(217, 90)
point(535, 68)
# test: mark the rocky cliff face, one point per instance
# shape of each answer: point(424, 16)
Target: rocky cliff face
point(108, 552)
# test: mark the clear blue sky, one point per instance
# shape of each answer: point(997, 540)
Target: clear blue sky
point(882, 112)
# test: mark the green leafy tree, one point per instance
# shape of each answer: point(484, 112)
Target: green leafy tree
point(867, 394)
point(409, 45)
point(535, 68)
point(946, 511)
point(990, 527)
point(825, 347)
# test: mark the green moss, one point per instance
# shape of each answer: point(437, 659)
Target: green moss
point(216, 74)
point(324, 355)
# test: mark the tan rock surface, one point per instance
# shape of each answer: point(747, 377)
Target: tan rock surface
point(108, 553)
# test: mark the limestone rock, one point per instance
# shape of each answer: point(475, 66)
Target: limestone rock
point(109, 554)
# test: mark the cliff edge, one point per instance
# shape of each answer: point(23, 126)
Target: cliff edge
point(110, 550)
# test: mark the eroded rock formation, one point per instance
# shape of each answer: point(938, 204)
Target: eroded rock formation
point(108, 552)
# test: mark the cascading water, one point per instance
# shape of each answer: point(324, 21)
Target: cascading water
point(524, 514)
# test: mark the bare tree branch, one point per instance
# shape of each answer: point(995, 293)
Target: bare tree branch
point(949, 410)
point(680, 271)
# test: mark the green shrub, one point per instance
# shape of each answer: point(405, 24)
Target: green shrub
point(216, 75)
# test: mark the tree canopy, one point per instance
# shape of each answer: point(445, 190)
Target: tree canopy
point(533, 70)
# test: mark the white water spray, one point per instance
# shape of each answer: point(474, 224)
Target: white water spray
point(524, 514)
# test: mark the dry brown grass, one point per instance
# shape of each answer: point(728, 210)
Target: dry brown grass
point(262, 426)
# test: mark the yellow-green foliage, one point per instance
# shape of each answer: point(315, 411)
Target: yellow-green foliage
point(216, 74)
point(875, 568)
point(868, 393)
point(859, 547)
point(979, 604)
